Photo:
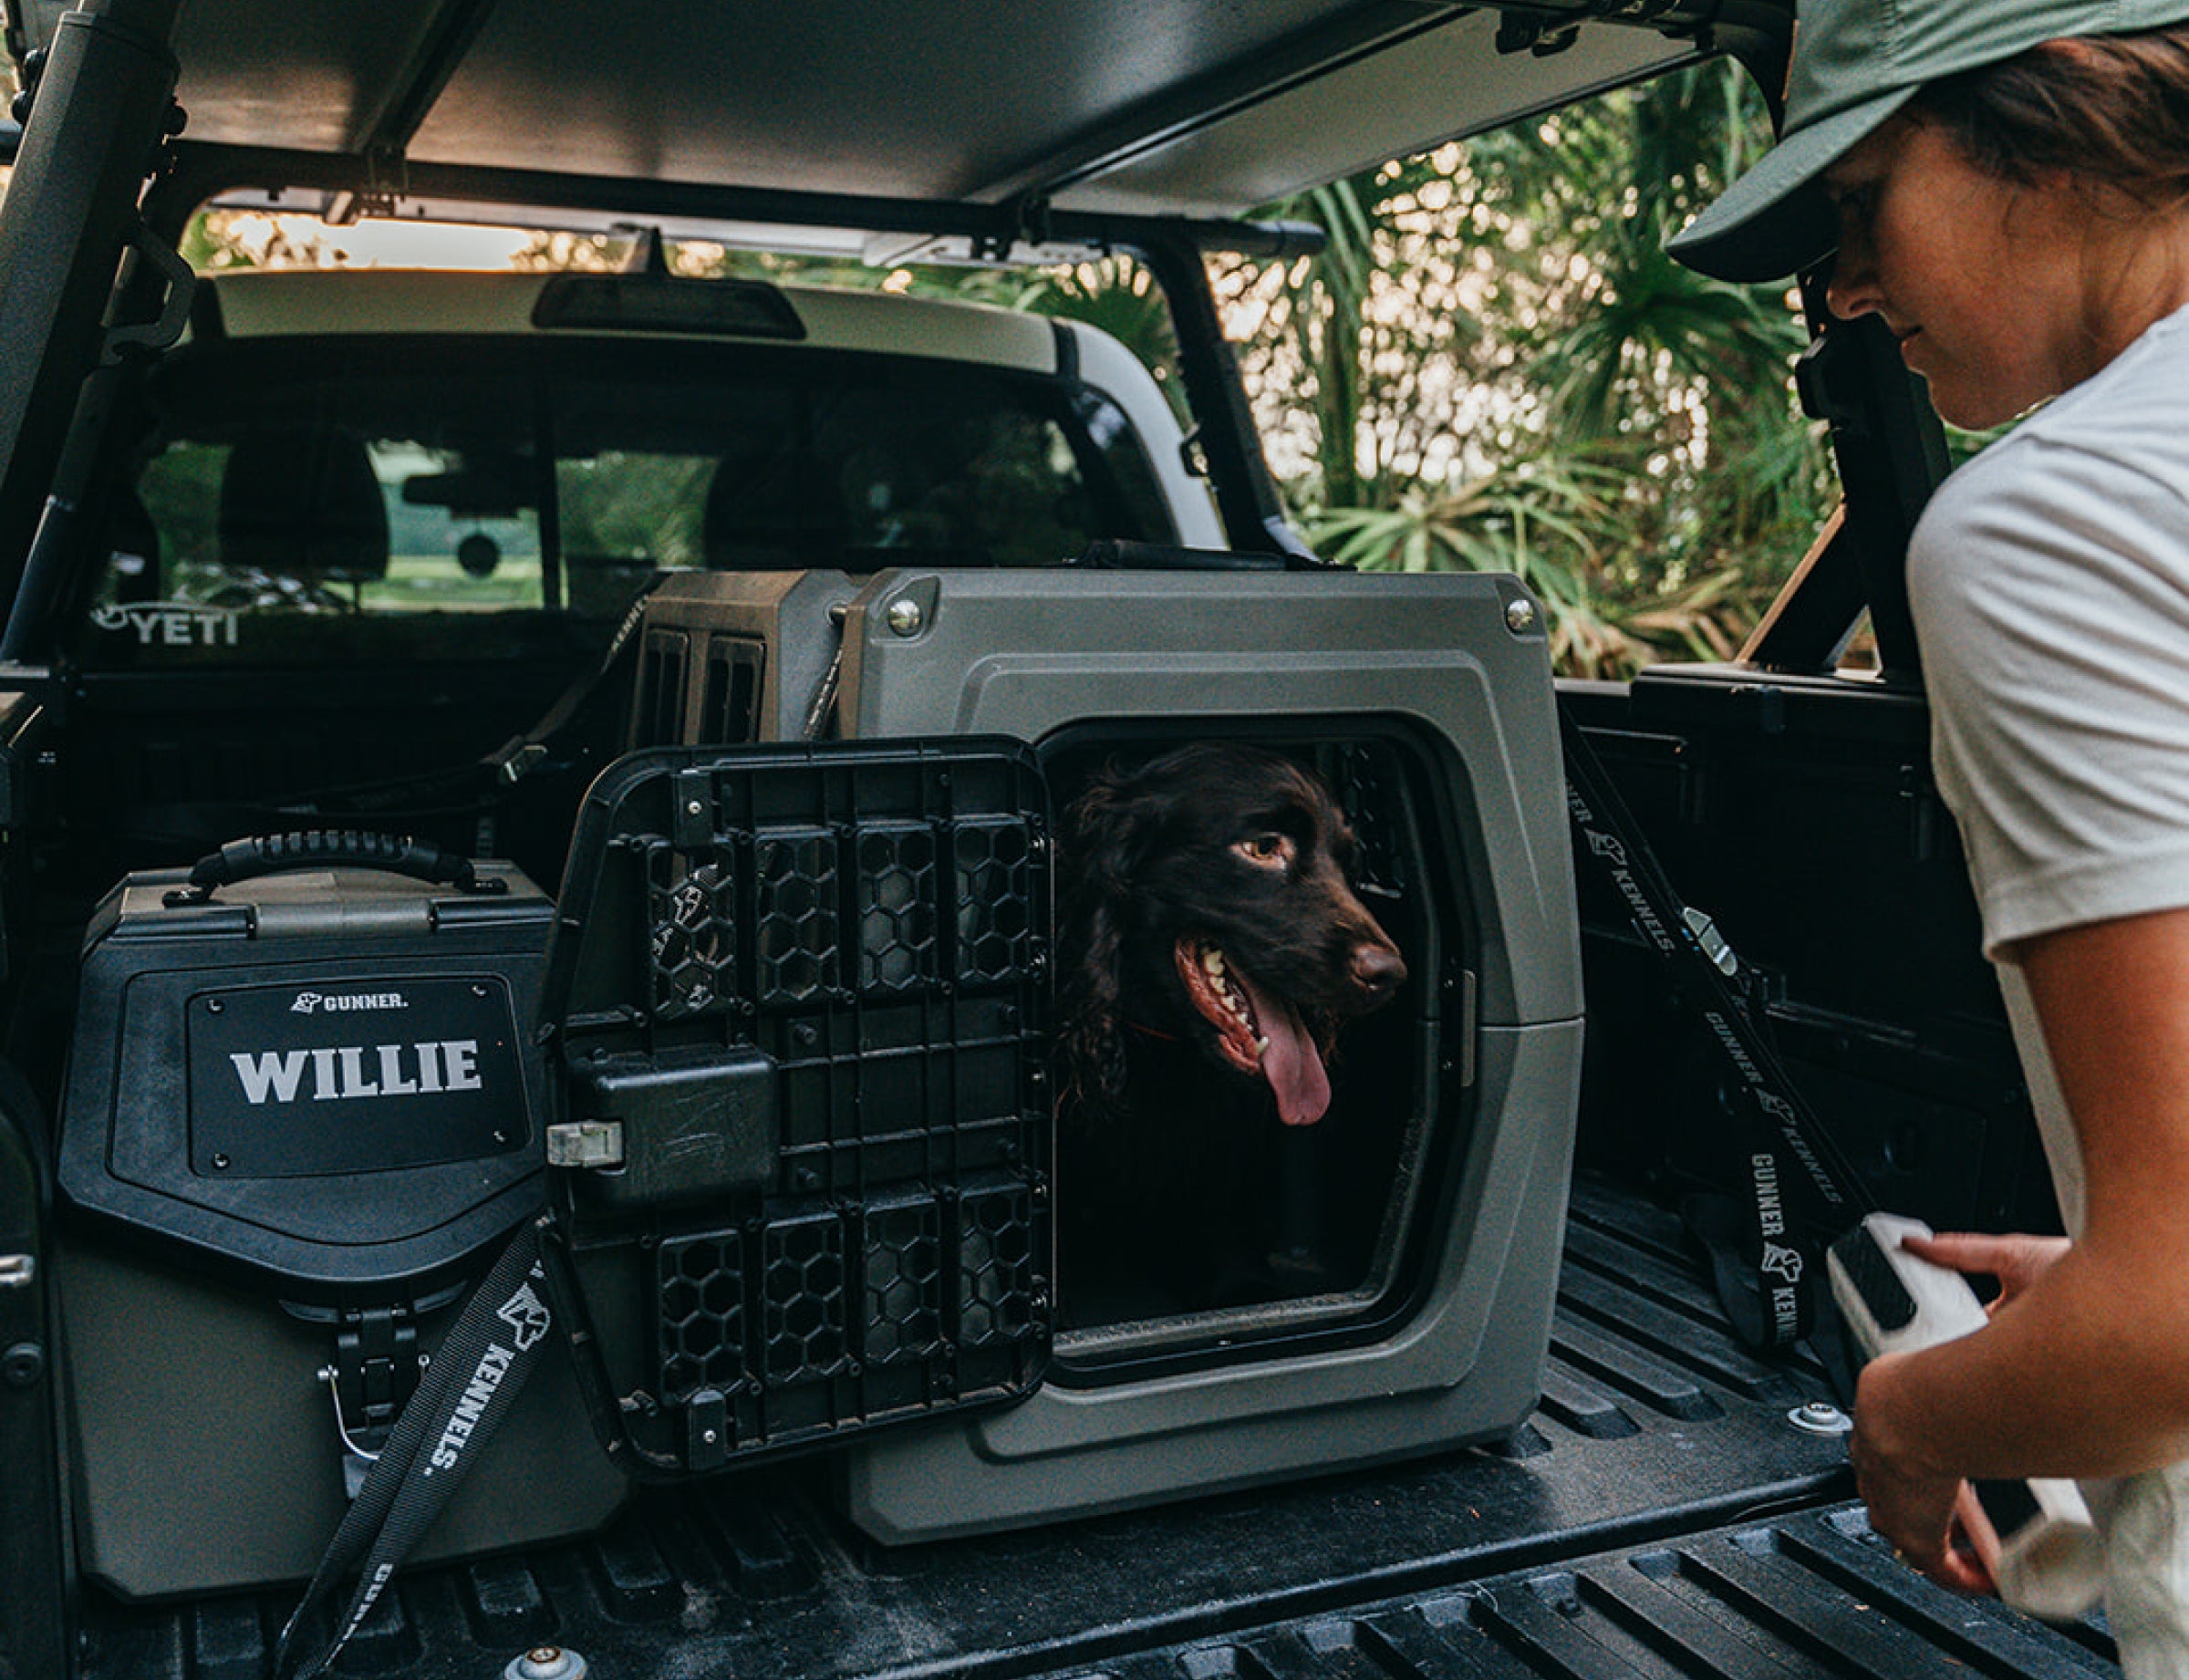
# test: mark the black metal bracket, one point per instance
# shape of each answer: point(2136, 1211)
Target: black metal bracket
point(164, 330)
point(1890, 449)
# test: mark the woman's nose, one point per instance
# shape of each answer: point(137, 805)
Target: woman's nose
point(1853, 289)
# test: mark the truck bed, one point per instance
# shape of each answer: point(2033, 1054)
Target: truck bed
point(1661, 1514)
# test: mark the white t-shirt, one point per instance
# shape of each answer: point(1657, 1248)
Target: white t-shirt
point(2050, 581)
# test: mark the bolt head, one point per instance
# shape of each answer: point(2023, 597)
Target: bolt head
point(904, 616)
point(547, 1663)
point(1820, 1418)
point(1519, 616)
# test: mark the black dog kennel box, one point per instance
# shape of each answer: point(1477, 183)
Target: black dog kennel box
point(299, 1119)
point(1428, 1208)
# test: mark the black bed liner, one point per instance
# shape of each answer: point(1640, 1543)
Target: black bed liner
point(1661, 1514)
point(1812, 1594)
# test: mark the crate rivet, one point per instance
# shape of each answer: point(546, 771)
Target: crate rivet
point(220, 1163)
point(478, 991)
point(1519, 616)
point(1820, 1418)
point(213, 1006)
point(904, 616)
point(692, 807)
point(23, 1364)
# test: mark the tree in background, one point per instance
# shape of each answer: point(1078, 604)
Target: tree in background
point(1493, 364)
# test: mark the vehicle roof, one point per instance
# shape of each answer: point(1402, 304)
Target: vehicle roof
point(308, 303)
point(1142, 108)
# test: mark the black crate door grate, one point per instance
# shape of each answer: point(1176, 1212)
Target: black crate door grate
point(858, 936)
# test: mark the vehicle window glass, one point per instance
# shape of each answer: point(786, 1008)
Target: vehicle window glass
point(270, 528)
point(1112, 435)
point(414, 502)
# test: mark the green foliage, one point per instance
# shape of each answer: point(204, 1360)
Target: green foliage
point(1547, 520)
point(1122, 299)
point(1494, 364)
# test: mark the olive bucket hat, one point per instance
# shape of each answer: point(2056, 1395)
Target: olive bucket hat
point(1855, 63)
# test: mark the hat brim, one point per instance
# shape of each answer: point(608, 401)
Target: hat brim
point(1776, 219)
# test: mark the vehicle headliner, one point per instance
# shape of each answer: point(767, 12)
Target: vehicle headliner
point(1140, 107)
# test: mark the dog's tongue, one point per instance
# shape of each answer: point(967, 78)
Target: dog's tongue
point(1291, 1064)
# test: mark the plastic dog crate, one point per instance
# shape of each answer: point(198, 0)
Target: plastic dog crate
point(1426, 701)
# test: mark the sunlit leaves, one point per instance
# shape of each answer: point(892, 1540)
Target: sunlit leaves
point(1494, 364)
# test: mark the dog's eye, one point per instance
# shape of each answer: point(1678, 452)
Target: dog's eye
point(1270, 850)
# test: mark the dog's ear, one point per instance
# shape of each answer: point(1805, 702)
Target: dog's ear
point(1101, 843)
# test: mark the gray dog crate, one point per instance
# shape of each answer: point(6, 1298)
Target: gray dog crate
point(1427, 703)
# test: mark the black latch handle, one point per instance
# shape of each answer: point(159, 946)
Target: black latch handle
point(318, 848)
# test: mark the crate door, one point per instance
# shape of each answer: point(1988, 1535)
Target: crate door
point(801, 1132)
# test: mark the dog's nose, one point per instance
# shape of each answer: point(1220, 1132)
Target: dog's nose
point(1378, 969)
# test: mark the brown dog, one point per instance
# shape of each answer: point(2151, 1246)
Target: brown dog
point(1211, 945)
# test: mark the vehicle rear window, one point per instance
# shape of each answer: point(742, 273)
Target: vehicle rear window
point(377, 500)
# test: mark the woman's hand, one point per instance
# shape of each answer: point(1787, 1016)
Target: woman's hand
point(1929, 1515)
point(2016, 1262)
point(1926, 1514)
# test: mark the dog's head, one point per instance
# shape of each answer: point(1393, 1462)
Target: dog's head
point(1207, 897)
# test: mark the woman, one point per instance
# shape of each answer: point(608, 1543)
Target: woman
point(2006, 182)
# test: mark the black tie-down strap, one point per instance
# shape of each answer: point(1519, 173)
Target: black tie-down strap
point(1766, 1249)
point(462, 1397)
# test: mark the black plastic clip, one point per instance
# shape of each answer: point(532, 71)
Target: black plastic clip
point(29, 74)
point(1535, 33)
point(375, 1372)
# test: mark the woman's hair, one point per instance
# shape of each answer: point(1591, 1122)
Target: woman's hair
point(2111, 109)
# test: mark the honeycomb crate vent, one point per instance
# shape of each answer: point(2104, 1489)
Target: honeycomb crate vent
point(801, 1142)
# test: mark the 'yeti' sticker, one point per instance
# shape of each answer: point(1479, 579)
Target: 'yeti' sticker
point(171, 624)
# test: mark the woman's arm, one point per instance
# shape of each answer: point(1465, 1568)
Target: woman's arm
point(2085, 1371)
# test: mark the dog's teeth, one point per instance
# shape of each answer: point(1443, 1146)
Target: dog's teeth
point(1261, 1047)
point(1212, 961)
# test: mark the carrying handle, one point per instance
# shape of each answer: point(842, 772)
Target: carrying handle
point(317, 848)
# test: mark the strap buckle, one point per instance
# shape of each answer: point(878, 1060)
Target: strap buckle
point(375, 1372)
